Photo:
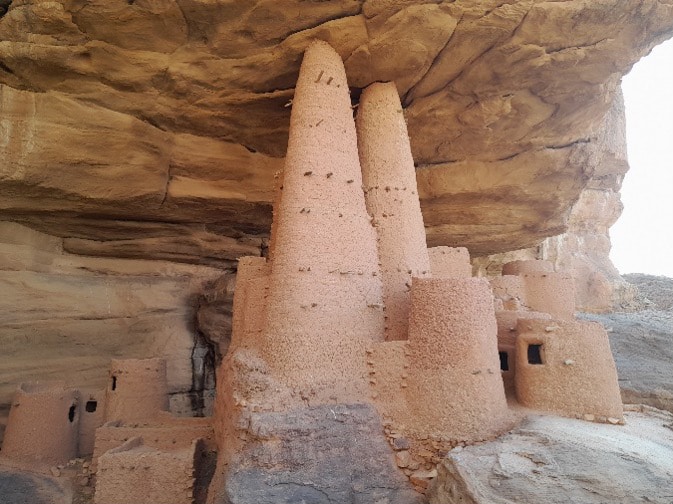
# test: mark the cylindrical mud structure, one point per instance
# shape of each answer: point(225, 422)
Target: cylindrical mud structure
point(325, 302)
point(43, 423)
point(137, 390)
point(450, 262)
point(250, 270)
point(541, 288)
point(392, 200)
point(278, 179)
point(552, 293)
point(566, 367)
point(454, 387)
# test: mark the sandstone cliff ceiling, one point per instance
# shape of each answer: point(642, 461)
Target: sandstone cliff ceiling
point(141, 128)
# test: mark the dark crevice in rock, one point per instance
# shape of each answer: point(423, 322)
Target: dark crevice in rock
point(319, 23)
point(4, 67)
point(4, 7)
point(168, 182)
point(407, 99)
point(212, 334)
point(204, 363)
point(568, 145)
point(575, 47)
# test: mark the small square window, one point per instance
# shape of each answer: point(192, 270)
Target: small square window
point(535, 354)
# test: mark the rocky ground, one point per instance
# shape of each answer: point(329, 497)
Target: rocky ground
point(25, 488)
point(561, 460)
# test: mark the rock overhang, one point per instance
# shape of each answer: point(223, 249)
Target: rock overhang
point(186, 125)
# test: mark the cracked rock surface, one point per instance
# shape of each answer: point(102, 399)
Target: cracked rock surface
point(174, 111)
point(559, 460)
point(332, 454)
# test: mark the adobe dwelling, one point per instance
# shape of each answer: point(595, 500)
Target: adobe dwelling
point(351, 328)
point(137, 390)
point(551, 361)
point(43, 423)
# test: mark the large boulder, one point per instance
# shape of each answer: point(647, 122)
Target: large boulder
point(560, 460)
point(331, 454)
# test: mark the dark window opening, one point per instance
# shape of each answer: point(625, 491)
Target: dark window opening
point(534, 354)
point(90, 406)
point(71, 413)
point(504, 361)
point(114, 383)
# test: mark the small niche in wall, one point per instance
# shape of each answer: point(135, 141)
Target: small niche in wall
point(535, 354)
point(91, 406)
point(71, 413)
point(504, 361)
point(114, 383)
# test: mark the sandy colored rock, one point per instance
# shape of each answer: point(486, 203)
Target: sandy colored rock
point(180, 92)
point(64, 316)
point(583, 250)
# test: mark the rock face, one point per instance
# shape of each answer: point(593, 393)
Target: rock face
point(559, 460)
point(657, 290)
point(64, 316)
point(324, 454)
point(503, 102)
point(18, 487)
point(583, 250)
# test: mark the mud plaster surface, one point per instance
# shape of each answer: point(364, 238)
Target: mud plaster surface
point(137, 389)
point(43, 424)
point(455, 389)
point(325, 269)
point(392, 201)
point(577, 375)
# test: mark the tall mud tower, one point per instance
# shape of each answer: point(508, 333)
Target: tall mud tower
point(392, 200)
point(325, 296)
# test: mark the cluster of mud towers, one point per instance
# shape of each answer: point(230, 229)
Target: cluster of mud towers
point(350, 307)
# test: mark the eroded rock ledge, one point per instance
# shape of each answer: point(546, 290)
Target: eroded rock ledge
point(174, 113)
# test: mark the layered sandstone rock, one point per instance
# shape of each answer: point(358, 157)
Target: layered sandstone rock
point(186, 122)
point(64, 316)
